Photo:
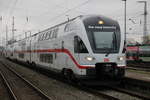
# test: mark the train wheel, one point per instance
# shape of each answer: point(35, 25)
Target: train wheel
point(69, 75)
point(120, 73)
point(33, 64)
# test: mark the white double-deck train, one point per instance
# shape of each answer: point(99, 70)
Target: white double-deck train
point(83, 47)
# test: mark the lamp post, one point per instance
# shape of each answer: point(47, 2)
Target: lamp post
point(145, 20)
point(125, 25)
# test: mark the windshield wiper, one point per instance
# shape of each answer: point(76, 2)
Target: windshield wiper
point(109, 51)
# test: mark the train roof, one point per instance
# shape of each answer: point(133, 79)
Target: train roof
point(99, 17)
point(83, 17)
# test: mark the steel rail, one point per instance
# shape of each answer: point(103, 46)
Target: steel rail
point(28, 83)
point(98, 93)
point(139, 65)
point(132, 93)
point(139, 69)
point(137, 82)
point(8, 87)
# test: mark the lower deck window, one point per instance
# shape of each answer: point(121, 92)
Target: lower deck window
point(21, 55)
point(47, 58)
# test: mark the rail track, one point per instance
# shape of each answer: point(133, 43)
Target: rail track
point(115, 93)
point(88, 90)
point(131, 93)
point(136, 83)
point(116, 90)
point(20, 88)
point(4, 91)
point(139, 68)
point(144, 65)
point(121, 93)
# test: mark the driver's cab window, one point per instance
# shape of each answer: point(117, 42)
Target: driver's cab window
point(79, 46)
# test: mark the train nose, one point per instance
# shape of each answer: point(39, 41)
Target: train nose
point(105, 68)
point(109, 69)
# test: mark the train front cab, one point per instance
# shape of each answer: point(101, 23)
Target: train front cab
point(102, 48)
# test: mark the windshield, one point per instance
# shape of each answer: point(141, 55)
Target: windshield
point(104, 40)
point(104, 37)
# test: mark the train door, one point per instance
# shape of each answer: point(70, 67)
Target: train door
point(76, 48)
point(79, 49)
point(60, 58)
point(54, 57)
point(33, 45)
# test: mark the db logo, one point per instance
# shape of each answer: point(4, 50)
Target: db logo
point(106, 60)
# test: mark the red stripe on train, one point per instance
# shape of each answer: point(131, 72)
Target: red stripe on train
point(58, 51)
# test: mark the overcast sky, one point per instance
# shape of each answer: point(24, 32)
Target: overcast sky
point(42, 14)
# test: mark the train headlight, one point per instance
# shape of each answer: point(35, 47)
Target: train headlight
point(121, 58)
point(100, 22)
point(89, 58)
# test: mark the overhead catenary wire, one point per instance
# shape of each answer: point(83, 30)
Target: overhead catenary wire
point(65, 12)
point(55, 17)
point(12, 10)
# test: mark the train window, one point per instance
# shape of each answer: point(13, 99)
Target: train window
point(21, 55)
point(55, 33)
point(52, 34)
point(47, 58)
point(104, 40)
point(144, 54)
point(49, 37)
point(41, 57)
point(66, 29)
point(79, 46)
point(43, 37)
point(50, 58)
point(39, 38)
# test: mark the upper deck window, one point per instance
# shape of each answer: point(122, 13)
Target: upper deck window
point(50, 34)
